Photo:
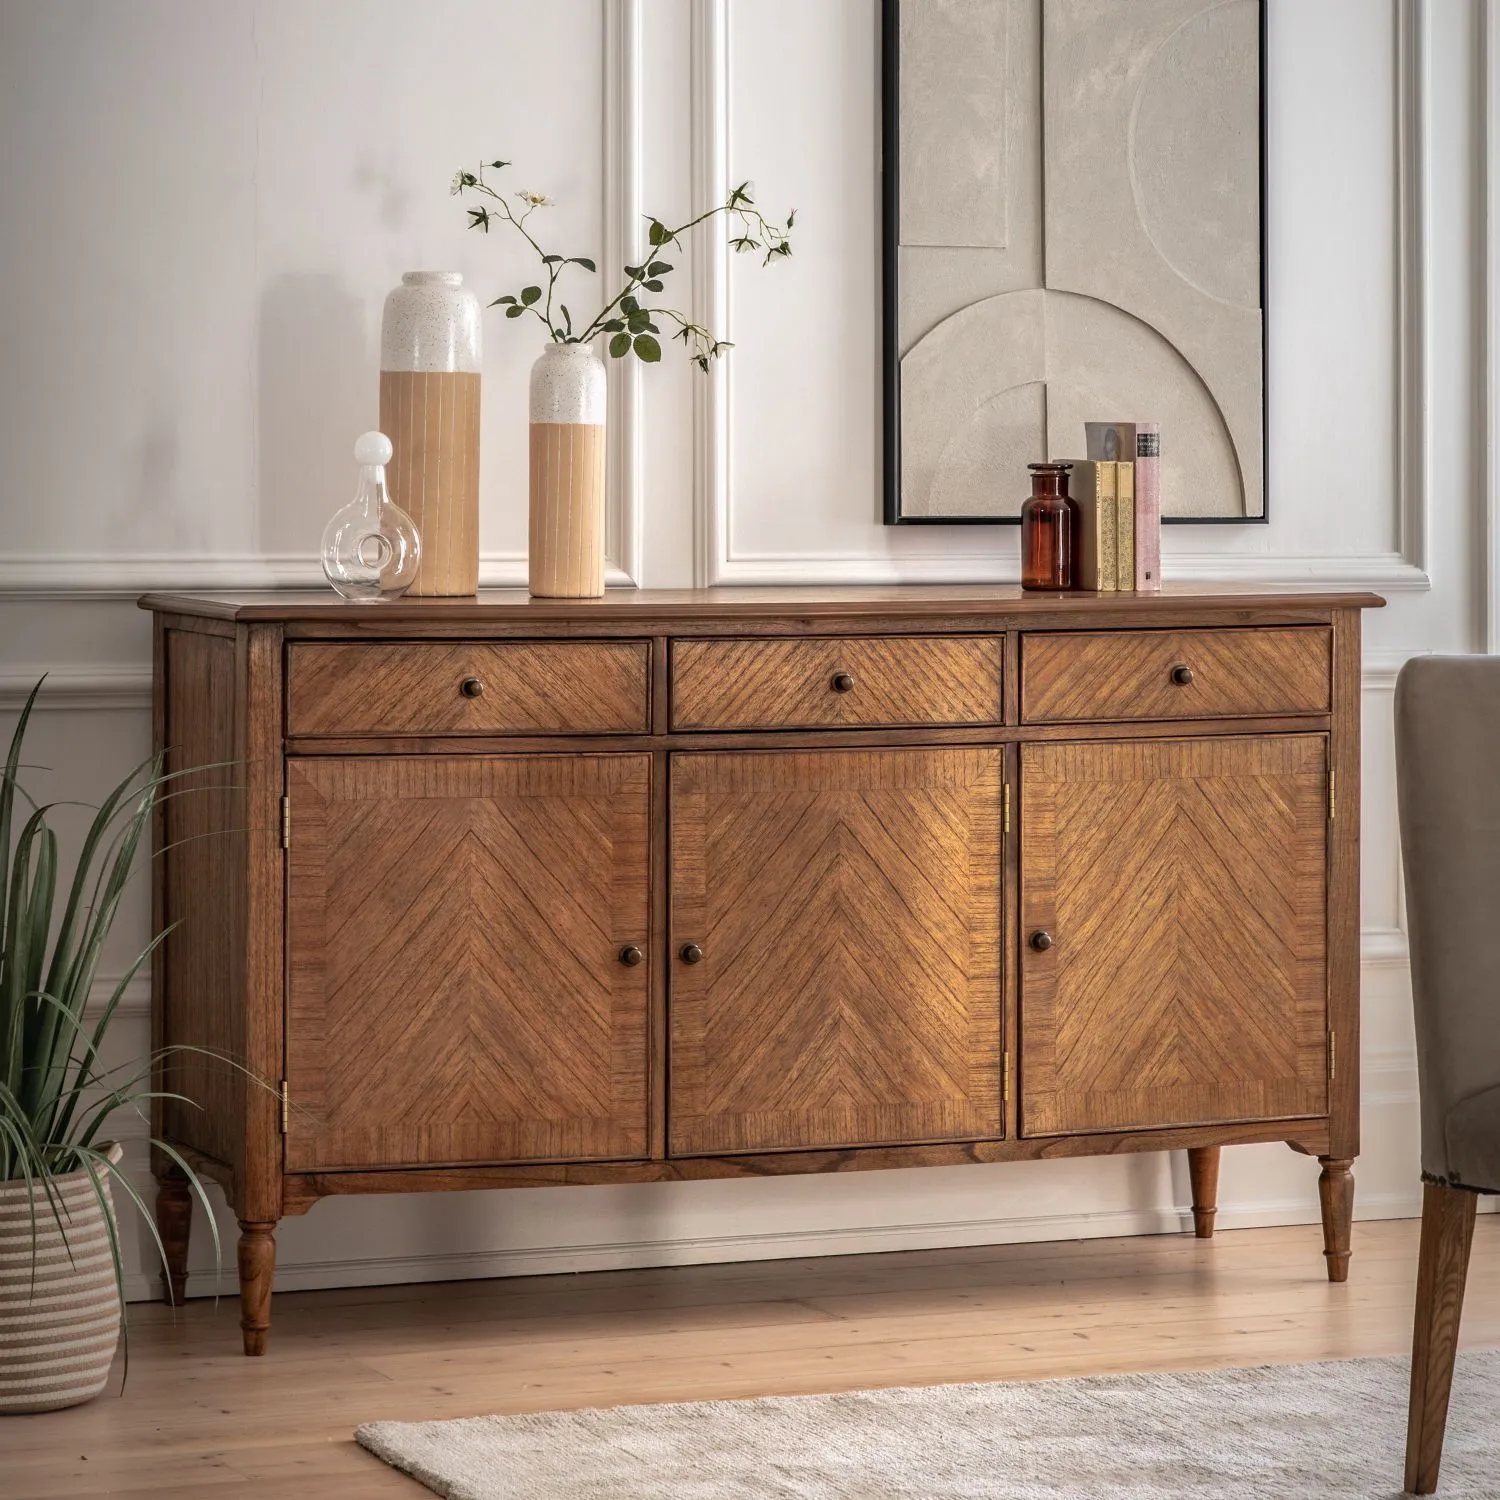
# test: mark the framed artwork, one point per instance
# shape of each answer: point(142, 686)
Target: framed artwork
point(1073, 231)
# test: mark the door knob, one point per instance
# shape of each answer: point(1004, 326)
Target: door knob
point(1041, 940)
point(630, 955)
point(1181, 674)
point(471, 687)
point(843, 682)
point(690, 953)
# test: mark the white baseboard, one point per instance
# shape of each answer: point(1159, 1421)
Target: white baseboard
point(630, 1255)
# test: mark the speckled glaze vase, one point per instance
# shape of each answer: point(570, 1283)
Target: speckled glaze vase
point(567, 473)
point(429, 408)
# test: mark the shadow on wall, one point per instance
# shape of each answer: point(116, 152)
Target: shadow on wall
point(317, 392)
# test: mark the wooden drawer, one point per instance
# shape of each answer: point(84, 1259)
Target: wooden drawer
point(843, 682)
point(468, 687)
point(1174, 674)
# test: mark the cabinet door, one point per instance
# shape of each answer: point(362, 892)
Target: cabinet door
point(1183, 885)
point(847, 909)
point(456, 992)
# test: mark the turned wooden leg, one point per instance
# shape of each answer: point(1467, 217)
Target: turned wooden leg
point(257, 1271)
point(1203, 1169)
point(174, 1223)
point(1336, 1193)
point(1442, 1264)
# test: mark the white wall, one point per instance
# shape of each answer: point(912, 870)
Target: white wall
point(202, 206)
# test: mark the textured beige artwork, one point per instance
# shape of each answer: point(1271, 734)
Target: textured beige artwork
point(1078, 239)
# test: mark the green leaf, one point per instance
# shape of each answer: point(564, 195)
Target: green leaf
point(652, 285)
point(614, 325)
point(658, 268)
point(552, 260)
point(635, 272)
point(530, 294)
point(659, 233)
point(514, 312)
point(639, 321)
point(502, 301)
point(567, 316)
point(629, 305)
point(584, 261)
point(619, 345)
point(647, 348)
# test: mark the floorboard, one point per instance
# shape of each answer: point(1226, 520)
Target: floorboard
point(197, 1419)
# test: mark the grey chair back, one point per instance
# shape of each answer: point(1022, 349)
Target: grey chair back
point(1448, 782)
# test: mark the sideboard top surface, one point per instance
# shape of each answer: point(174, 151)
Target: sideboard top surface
point(516, 606)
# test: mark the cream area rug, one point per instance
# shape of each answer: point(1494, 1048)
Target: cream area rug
point(1286, 1432)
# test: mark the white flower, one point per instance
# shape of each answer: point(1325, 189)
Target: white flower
point(534, 200)
point(461, 180)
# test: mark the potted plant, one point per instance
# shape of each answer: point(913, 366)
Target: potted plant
point(61, 1277)
point(568, 390)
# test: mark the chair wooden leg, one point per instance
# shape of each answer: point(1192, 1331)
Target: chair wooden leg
point(1336, 1194)
point(1442, 1265)
point(257, 1260)
point(1203, 1170)
point(174, 1223)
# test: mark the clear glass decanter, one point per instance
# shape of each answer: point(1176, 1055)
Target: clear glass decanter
point(371, 549)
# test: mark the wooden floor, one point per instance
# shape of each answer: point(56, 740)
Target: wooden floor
point(199, 1420)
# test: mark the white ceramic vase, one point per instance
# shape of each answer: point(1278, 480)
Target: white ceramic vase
point(59, 1305)
point(429, 408)
point(568, 394)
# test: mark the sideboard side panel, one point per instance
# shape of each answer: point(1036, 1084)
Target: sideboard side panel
point(199, 999)
point(1343, 887)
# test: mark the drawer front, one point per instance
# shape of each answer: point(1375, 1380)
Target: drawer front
point(468, 687)
point(1174, 674)
point(845, 682)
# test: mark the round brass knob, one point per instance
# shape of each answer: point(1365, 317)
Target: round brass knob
point(1181, 674)
point(630, 955)
point(691, 953)
point(471, 687)
point(843, 682)
point(1041, 940)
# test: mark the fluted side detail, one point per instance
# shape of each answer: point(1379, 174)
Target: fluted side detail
point(59, 1305)
point(567, 510)
point(432, 420)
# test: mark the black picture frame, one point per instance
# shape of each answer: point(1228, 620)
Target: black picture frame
point(890, 228)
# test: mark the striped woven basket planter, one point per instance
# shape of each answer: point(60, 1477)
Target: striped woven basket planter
point(59, 1305)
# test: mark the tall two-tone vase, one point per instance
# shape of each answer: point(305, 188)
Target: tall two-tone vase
point(567, 473)
point(429, 408)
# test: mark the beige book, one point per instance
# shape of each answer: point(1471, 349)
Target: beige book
point(1092, 485)
point(1125, 524)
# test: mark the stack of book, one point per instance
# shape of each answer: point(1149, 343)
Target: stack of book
point(1118, 490)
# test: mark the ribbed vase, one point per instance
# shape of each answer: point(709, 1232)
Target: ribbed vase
point(429, 409)
point(59, 1305)
point(566, 553)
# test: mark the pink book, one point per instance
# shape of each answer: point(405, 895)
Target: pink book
point(1141, 440)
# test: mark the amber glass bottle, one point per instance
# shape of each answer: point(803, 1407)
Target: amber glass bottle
point(1049, 530)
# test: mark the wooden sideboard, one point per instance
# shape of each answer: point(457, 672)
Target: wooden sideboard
point(503, 892)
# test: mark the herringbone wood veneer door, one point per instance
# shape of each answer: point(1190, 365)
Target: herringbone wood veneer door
point(1182, 883)
point(847, 905)
point(456, 991)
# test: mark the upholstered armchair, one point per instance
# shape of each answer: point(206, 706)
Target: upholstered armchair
point(1448, 785)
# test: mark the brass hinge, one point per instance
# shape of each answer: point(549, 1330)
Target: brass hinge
point(286, 1105)
point(1005, 1077)
point(1007, 807)
point(286, 822)
point(1333, 1056)
point(1332, 802)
